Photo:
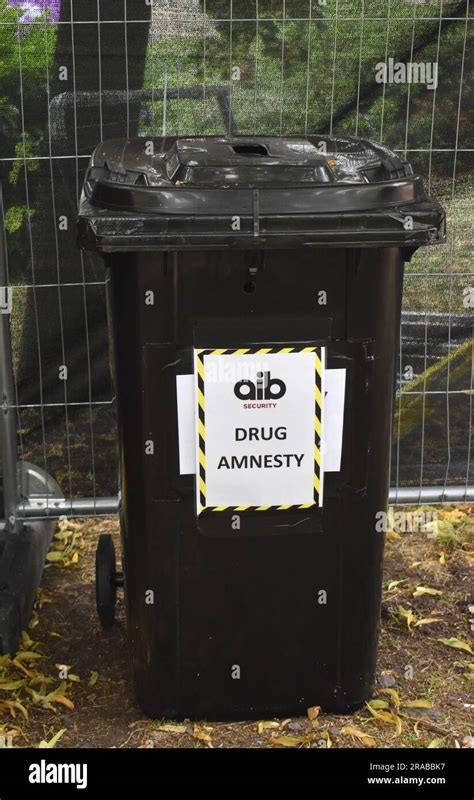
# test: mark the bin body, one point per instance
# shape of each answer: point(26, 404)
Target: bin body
point(255, 614)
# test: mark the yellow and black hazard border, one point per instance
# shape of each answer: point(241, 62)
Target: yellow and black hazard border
point(201, 432)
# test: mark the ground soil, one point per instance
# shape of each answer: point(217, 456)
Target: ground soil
point(94, 706)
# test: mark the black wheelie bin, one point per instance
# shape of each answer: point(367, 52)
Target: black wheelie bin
point(255, 287)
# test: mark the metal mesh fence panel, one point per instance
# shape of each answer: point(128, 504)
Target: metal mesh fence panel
point(72, 73)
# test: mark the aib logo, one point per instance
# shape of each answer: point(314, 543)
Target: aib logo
point(264, 388)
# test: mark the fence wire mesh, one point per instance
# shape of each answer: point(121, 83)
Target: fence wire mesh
point(73, 73)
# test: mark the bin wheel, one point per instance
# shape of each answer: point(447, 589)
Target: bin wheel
point(106, 580)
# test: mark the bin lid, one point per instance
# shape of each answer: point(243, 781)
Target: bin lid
point(246, 192)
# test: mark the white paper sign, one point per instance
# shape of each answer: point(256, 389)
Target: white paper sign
point(333, 418)
point(186, 424)
point(333, 413)
point(258, 428)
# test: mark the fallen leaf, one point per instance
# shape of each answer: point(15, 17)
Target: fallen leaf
point(65, 524)
point(407, 615)
point(264, 725)
point(65, 701)
point(379, 703)
point(435, 743)
point(27, 655)
point(364, 738)
point(470, 674)
point(457, 644)
point(394, 696)
point(52, 742)
point(93, 678)
point(393, 584)
point(421, 590)
point(42, 597)
point(34, 620)
point(387, 717)
point(40, 679)
point(11, 686)
point(452, 516)
point(417, 704)
point(26, 641)
point(14, 705)
point(313, 712)
point(290, 741)
point(22, 668)
point(427, 621)
point(54, 556)
point(172, 728)
point(56, 696)
point(200, 734)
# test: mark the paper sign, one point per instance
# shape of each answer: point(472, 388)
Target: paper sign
point(258, 428)
point(186, 424)
point(333, 418)
point(333, 413)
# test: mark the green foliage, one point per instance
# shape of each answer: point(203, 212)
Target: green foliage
point(24, 152)
point(26, 59)
point(15, 216)
point(26, 52)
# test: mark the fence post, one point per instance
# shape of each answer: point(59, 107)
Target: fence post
point(8, 441)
